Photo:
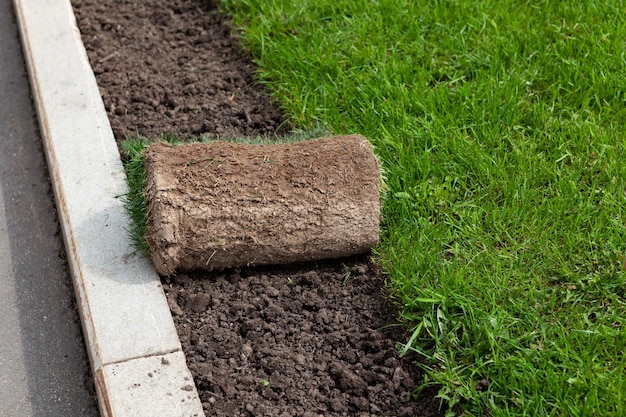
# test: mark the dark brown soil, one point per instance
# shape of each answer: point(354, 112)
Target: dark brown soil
point(172, 66)
point(308, 340)
point(304, 340)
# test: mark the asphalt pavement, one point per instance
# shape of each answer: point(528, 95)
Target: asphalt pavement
point(44, 369)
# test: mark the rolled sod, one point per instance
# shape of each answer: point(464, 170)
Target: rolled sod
point(223, 205)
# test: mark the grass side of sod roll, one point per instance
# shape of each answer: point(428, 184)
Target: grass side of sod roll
point(501, 128)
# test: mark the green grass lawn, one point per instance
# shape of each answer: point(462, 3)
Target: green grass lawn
point(501, 128)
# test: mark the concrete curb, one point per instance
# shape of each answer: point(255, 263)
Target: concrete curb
point(137, 361)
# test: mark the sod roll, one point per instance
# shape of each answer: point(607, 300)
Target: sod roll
point(223, 205)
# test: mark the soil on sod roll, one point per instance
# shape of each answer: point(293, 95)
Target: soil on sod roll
point(225, 205)
point(301, 340)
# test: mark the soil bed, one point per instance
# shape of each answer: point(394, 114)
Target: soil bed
point(171, 66)
point(301, 340)
point(304, 340)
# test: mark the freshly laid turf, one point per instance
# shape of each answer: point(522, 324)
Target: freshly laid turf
point(501, 127)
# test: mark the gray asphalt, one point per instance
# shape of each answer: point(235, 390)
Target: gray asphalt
point(43, 364)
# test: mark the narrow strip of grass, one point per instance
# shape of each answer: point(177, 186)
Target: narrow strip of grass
point(501, 128)
point(134, 201)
